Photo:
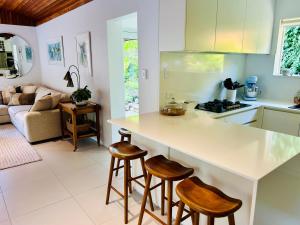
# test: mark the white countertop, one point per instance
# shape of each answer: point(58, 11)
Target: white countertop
point(270, 104)
point(245, 151)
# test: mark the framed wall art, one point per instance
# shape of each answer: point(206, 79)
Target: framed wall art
point(55, 51)
point(83, 48)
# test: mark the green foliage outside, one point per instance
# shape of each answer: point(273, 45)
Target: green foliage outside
point(131, 70)
point(291, 50)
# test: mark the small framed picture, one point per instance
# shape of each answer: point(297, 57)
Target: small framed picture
point(28, 54)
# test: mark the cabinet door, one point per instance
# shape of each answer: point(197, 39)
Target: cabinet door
point(282, 122)
point(258, 26)
point(243, 118)
point(230, 25)
point(172, 25)
point(201, 25)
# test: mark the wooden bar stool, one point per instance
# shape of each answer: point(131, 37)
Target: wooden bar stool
point(126, 152)
point(125, 134)
point(205, 199)
point(166, 170)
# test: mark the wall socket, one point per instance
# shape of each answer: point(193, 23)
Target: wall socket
point(144, 74)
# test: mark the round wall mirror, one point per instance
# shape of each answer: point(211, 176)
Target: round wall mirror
point(15, 56)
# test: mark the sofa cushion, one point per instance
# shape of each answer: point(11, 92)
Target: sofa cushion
point(3, 110)
point(7, 92)
point(22, 99)
point(28, 89)
point(14, 110)
point(55, 100)
point(45, 103)
point(43, 91)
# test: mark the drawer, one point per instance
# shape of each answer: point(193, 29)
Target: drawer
point(243, 117)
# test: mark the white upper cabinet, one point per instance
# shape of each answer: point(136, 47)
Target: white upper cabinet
point(201, 25)
point(258, 26)
point(234, 26)
point(172, 25)
point(230, 25)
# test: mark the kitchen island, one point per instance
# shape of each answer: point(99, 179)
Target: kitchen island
point(259, 167)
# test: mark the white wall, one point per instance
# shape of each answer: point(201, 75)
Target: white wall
point(148, 30)
point(93, 17)
point(275, 88)
point(29, 35)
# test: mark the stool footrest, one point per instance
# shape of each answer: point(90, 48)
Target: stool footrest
point(119, 193)
point(155, 186)
point(155, 217)
point(117, 168)
point(135, 178)
point(186, 216)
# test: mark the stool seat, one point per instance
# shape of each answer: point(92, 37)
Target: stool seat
point(124, 150)
point(165, 169)
point(206, 199)
point(123, 131)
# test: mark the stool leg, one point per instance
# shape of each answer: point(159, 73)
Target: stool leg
point(179, 213)
point(163, 195)
point(231, 220)
point(118, 165)
point(129, 177)
point(170, 198)
point(196, 218)
point(147, 190)
point(111, 171)
point(126, 176)
point(145, 176)
point(210, 220)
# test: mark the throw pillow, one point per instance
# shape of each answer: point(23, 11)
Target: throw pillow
point(41, 92)
point(22, 99)
point(55, 100)
point(7, 92)
point(45, 103)
point(18, 89)
point(28, 89)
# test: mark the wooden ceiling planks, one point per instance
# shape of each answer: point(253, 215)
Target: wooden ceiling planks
point(35, 12)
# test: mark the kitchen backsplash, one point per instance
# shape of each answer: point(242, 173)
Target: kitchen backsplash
point(196, 76)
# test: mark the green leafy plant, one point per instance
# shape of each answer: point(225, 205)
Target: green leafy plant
point(82, 94)
point(291, 50)
point(130, 49)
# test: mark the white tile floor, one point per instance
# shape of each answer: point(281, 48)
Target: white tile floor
point(65, 188)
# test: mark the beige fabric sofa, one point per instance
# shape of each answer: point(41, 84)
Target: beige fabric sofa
point(35, 126)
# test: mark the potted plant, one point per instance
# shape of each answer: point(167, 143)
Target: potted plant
point(81, 96)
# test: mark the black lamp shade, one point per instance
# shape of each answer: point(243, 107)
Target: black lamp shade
point(70, 83)
point(68, 76)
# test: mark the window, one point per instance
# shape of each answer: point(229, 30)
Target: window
point(287, 61)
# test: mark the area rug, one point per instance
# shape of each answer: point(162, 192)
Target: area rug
point(14, 148)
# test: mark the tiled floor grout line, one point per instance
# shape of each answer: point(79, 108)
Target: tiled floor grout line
point(72, 196)
point(9, 217)
point(43, 207)
point(59, 180)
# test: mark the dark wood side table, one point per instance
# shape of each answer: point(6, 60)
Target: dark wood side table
point(85, 128)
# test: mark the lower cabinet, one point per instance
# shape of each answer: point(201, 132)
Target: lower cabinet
point(249, 118)
point(282, 122)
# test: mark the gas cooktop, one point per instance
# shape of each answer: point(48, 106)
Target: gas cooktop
point(218, 106)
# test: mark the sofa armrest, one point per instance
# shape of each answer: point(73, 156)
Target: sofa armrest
point(42, 125)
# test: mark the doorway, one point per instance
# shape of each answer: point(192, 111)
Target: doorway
point(123, 67)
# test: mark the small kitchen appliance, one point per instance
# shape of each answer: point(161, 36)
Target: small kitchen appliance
point(218, 106)
point(251, 88)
